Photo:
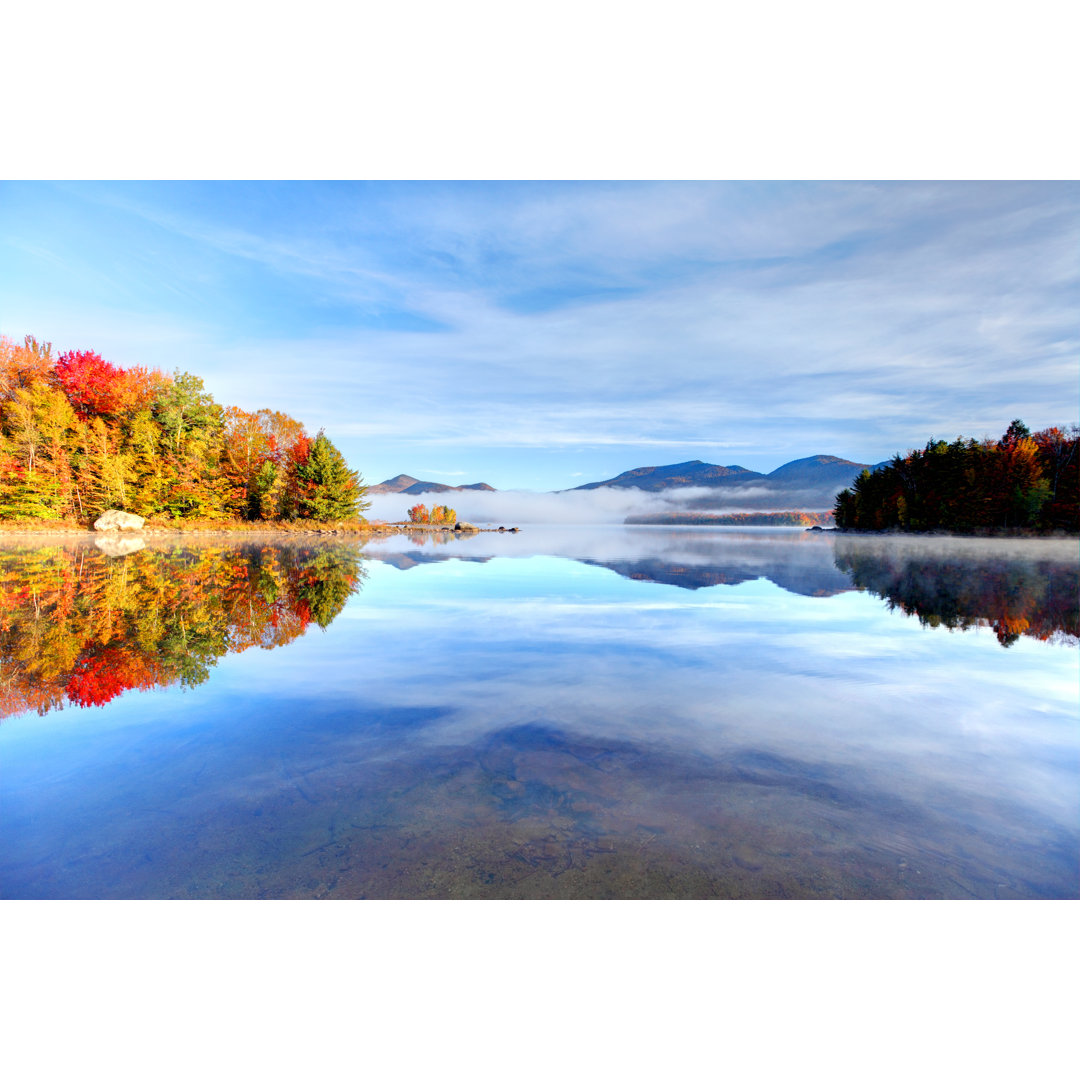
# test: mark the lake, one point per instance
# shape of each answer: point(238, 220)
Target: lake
point(578, 712)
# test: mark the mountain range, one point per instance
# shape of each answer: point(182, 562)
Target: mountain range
point(800, 484)
point(817, 471)
point(803, 484)
point(403, 484)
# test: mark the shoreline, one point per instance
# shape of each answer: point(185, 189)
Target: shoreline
point(369, 530)
point(366, 530)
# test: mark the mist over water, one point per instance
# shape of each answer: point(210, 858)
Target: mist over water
point(564, 712)
point(599, 506)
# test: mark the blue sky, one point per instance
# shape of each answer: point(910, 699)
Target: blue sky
point(542, 335)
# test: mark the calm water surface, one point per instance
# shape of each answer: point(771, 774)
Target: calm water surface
point(590, 712)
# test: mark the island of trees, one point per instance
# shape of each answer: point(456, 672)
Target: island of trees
point(1022, 482)
point(437, 515)
point(79, 436)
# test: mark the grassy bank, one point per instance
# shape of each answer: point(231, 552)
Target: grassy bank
point(199, 525)
point(206, 526)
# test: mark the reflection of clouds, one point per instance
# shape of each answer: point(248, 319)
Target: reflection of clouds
point(749, 698)
point(924, 716)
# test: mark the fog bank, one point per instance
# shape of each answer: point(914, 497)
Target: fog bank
point(600, 506)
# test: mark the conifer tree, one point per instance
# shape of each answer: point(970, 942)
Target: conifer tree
point(329, 489)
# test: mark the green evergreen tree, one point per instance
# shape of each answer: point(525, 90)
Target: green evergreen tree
point(330, 490)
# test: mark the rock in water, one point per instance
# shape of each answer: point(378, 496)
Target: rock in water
point(115, 546)
point(118, 519)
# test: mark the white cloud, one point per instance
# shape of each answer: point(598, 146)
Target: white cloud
point(771, 319)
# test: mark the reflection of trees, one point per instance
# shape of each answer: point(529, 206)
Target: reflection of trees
point(433, 537)
point(1039, 599)
point(79, 628)
point(325, 582)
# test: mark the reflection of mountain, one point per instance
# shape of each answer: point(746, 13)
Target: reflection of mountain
point(406, 560)
point(77, 627)
point(1011, 594)
point(1028, 588)
point(797, 562)
point(808, 577)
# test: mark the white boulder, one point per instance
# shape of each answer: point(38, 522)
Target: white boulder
point(118, 519)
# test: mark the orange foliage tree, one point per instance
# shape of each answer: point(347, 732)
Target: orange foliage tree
point(437, 515)
point(79, 435)
point(1021, 481)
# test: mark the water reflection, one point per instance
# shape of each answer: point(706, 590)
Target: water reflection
point(81, 625)
point(559, 713)
point(689, 558)
point(963, 586)
point(1029, 587)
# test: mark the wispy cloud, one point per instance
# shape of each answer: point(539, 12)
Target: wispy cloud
point(767, 321)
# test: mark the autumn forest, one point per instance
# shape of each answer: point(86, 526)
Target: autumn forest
point(1021, 482)
point(79, 436)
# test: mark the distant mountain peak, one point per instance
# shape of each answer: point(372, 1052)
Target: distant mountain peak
point(817, 459)
point(696, 473)
point(817, 468)
point(393, 485)
point(404, 484)
point(806, 483)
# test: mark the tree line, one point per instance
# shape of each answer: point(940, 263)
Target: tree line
point(1020, 481)
point(79, 436)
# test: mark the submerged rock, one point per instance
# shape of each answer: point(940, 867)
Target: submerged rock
point(118, 519)
point(114, 546)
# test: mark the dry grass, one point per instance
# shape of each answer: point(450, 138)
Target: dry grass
point(200, 525)
point(24, 525)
